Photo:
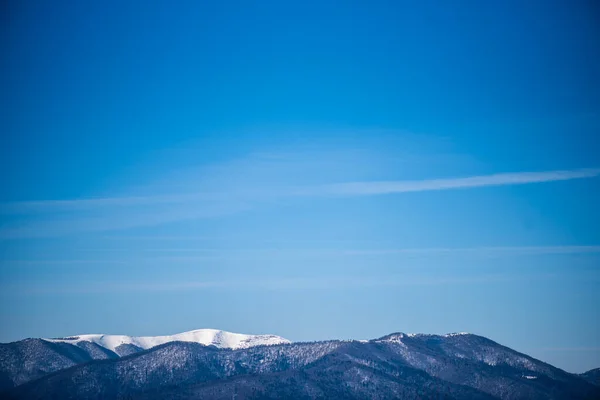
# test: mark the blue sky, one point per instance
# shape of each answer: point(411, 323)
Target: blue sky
point(305, 169)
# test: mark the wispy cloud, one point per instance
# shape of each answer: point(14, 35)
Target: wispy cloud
point(316, 283)
point(109, 220)
point(350, 188)
point(36, 263)
point(62, 217)
point(166, 256)
point(103, 202)
point(270, 252)
point(518, 178)
point(490, 250)
point(569, 349)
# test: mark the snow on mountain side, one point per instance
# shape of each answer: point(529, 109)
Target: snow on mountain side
point(399, 365)
point(220, 339)
point(418, 367)
point(394, 337)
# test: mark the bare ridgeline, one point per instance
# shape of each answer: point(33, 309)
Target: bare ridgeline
point(212, 364)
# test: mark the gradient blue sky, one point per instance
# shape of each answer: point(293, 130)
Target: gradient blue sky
point(310, 169)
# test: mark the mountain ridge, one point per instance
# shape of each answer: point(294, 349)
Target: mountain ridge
point(459, 366)
point(29, 359)
point(592, 376)
point(215, 337)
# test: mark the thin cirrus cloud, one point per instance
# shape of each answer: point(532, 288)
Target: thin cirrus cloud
point(350, 188)
point(109, 221)
point(115, 213)
point(518, 178)
point(272, 284)
point(202, 253)
point(495, 250)
point(570, 349)
point(170, 255)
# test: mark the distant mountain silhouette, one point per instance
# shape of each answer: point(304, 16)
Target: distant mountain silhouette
point(454, 366)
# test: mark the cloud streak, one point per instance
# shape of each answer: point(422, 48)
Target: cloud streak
point(569, 349)
point(63, 217)
point(199, 257)
point(491, 250)
point(349, 189)
point(518, 178)
point(316, 283)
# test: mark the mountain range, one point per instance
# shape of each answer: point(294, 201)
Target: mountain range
point(212, 364)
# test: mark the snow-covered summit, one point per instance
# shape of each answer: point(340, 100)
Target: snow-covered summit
point(218, 338)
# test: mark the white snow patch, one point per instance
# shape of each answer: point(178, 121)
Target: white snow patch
point(430, 334)
point(221, 339)
point(456, 334)
point(529, 377)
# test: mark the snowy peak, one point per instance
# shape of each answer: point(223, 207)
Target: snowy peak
point(214, 337)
